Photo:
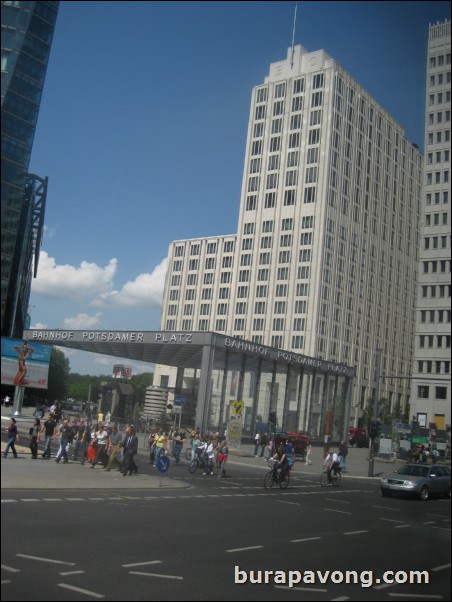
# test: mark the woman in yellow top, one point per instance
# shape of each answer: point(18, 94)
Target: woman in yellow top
point(159, 445)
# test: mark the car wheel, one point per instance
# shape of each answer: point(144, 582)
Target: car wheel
point(423, 493)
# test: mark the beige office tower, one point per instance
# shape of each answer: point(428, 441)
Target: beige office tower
point(324, 261)
point(431, 367)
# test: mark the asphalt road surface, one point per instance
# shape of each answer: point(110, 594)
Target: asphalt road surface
point(214, 540)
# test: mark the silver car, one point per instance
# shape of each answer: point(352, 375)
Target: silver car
point(423, 480)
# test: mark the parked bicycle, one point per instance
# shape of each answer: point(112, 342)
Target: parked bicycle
point(335, 477)
point(277, 476)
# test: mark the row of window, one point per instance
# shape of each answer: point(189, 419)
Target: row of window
point(435, 198)
point(423, 392)
point(211, 248)
point(435, 291)
point(435, 316)
point(433, 267)
point(438, 137)
point(436, 242)
point(437, 177)
point(439, 98)
point(433, 367)
point(438, 117)
point(439, 60)
point(430, 341)
point(439, 79)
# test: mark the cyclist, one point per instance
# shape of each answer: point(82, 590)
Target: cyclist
point(290, 453)
point(331, 464)
point(281, 457)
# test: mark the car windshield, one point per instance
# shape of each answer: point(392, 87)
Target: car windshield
point(414, 471)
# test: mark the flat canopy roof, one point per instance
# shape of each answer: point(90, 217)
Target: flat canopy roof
point(181, 349)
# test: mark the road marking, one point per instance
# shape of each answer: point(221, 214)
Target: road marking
point(354, 532)
point(440, 515)
point(339, 511)
point(66, 573)
point(386, 508)
point(156, 575)
point(40, 559)
point(442, 567)
point(423, 596)
point(76, 499)
point(305, 539)
point(127, 566)
point(244, 549)
point(80, 590)
point(300, 589)
point(52, 499)
point(328, 499)
point(5, 567)
point(8, 501)
point(402, 526)
point(442, 528)
point(292, 503)
point(30, 499)
point(340, 599)
point(391, 520)
point(429, 522)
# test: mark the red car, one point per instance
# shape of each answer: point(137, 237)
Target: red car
point(299, 442)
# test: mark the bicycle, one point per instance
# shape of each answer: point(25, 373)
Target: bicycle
point(198, 462)
point(335, 477)
point(277, 476)
point(188, 454)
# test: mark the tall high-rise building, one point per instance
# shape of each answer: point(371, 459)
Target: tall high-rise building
point(325, 258)
point(431, 396)
point(27, 31)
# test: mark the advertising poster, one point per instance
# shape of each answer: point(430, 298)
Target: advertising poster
point(25, 364)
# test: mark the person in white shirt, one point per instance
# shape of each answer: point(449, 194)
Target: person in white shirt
point(331, 463)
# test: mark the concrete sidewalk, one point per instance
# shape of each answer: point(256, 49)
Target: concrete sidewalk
point(26, 473)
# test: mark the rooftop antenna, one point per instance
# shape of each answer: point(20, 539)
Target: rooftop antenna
point(293, 35)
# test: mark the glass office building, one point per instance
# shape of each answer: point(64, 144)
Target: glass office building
point(27, 32)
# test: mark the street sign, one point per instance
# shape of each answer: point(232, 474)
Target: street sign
point(163, 464)
point(180, 400)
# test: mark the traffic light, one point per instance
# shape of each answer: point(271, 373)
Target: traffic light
point(375, 429)
point(272, 418)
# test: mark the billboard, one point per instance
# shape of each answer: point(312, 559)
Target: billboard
point(121, 371)
point(25, 365)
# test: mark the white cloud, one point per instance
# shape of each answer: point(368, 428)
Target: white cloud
point(82, 321)
point(146, 290)
point(39, 326)
point(69, 282)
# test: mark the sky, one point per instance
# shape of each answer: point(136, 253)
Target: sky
point(142, 131)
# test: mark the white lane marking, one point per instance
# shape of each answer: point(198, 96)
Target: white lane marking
point(80, 590)
point(328, 499)
point(292, 503)
point(391, 520)
point(305, 539)
point(333, 510)
point(386, 508)
point(127, 566)
point(31, 499)
point(354, 532)
point(66, 573)
point(5, 567)
point(442, 567)
point(300, 589)
point(76, 499)
point(40, 559)
point(5, 581)
point(156, 575)
point(402, 526)
point(422, 596)
point(8, 501)
point(244, 549)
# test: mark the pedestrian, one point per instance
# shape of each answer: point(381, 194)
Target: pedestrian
point(65, 435)
point(13, 436)
point(223, 458)
point(130, 445)
point(178, 443)
point(114, 445)
point(308, 454)
point(102, 445)
point(79, 429)
point(159, 444)
point(257, 439)
point(343, 452)
point(48, 428)
point(34, 438)
point(263, 444)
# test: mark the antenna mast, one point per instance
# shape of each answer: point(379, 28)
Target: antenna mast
point(293, 34)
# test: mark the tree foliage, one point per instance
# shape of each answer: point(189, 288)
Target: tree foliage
point(79, 384)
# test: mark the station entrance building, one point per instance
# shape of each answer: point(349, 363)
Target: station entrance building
point(306, 394)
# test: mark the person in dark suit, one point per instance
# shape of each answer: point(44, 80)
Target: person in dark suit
point(130, 445)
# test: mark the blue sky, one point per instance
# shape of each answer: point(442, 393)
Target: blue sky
point(142, 132)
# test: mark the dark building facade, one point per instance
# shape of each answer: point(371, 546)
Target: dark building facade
point(27, 32)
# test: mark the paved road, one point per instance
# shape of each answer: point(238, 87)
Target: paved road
point(73, 533)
